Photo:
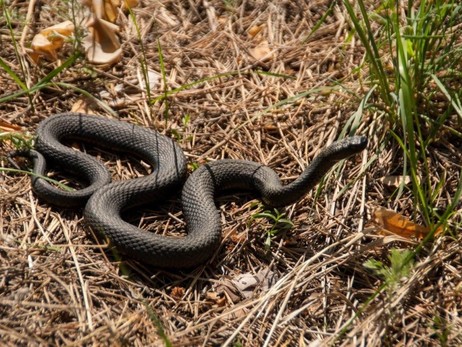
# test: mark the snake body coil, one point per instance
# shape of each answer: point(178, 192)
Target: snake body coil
point(107, 200)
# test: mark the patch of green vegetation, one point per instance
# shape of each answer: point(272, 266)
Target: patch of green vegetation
point(401, 264)
point(404, 57)
point(20, 78)
point(193, 166)
point(20, 141)
point(45, 82)
point(230, 5)
point(279, 224)
point(412, 53)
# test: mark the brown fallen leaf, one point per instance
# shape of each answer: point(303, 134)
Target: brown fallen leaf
point(111, 7)
point(255, 30)
point(391, 222)
point(177, 292)
point(219, 300)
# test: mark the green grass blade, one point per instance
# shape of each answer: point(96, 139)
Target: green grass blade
point(100, 103)
point(47, 79)
point(163, 73)
point(320, 22)
point(30, 173)
point(143, 59)
point(44, 82)
point(13, 75)
point(454, 102)
point(366, 36)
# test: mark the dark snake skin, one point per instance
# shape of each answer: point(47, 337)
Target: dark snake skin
point(107, 200)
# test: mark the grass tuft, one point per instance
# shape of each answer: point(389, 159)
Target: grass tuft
point(413, 44)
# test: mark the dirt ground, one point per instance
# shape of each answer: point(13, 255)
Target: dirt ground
point(278, 81)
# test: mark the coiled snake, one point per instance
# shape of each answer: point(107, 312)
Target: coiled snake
point(105, 201)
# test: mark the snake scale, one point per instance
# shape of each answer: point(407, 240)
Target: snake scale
point(105, 201)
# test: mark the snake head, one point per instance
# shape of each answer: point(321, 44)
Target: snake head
point(345, 148)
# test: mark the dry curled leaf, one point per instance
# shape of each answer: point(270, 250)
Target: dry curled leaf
point(177, 292)
point(102, 45)
point(111, 7)
point(247, 283)
point(217, 299)
point(107, 9)
point(391, 222)
point(48, 41)
point(255, 30)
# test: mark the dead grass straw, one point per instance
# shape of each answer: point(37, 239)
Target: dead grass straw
point(60, 285)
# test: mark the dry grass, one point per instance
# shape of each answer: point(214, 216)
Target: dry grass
point(60, 285)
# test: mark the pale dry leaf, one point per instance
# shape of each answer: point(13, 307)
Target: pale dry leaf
point(99, 8)
point(48, 41)
point(395, 181)
point(243, 286)
point(217, 299)
point(110, 10)
point(153, 79)
point(227, 289)
point(83, 106)
point(102, 45)
point(129, 3)
point(247, 283)
point(262, 52)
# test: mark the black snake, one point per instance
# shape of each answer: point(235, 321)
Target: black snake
point(105, 200)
